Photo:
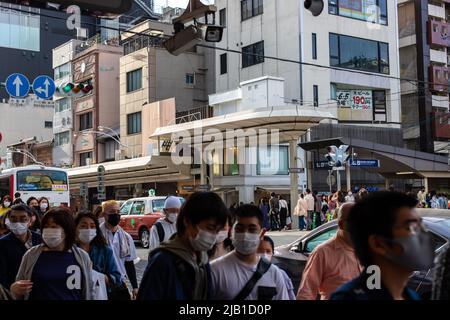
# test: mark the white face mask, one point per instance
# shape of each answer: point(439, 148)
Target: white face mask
point(246, 243)
point(87, 235)
point(18, 228)
point(266, 256)
point(6, 204)
point(44, 206)
point(101, 220)
point(172, 217)
point(53, 237)
point(221, 236)
point(204, 240)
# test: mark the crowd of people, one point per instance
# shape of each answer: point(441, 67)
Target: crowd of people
point(202, 250)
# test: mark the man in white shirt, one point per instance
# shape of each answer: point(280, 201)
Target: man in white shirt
point(121, 243)
point(310, 204)
point(231, 273)
point(163, 229)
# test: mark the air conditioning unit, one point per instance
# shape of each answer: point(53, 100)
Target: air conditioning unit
point(82, 33)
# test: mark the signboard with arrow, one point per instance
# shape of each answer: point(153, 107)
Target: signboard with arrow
point(17, 85)
point(44, 87)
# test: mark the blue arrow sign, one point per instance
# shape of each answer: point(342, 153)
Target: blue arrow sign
point(17, 85)
point(44, 87)
point(364, 163)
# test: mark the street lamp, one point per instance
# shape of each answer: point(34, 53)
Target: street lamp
point(85, 133)
point(25, 153)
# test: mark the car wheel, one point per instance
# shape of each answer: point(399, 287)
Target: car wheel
point(144, 238)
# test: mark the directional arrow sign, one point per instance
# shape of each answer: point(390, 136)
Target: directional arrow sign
point(44, 87)
point(17, 85)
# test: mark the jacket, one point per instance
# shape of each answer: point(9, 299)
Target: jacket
point(301, 208)
point(173, 274)
point(441, 276)
point(31, 257)
point(12, 251)
point(103, 261)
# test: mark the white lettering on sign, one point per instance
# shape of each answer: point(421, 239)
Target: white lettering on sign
point(74, 280)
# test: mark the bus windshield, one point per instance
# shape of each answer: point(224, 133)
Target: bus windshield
point(41, 180)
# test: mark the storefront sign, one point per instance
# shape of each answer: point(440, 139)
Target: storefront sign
point(355, 99)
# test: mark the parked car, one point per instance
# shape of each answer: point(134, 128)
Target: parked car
point(138, 216)
point(292, 258)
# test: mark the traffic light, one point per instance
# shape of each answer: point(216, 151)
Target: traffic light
point(315, 6)
point(107, 8)
point(74, 90)
point(337, 157)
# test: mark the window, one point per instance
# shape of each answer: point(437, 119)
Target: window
point(314, 46)
point(110, 150)
point(379, 105)
point(316, 95)
point(253, 54)
point(273, 161)
point(134, 80)
point(223, 17)
point(62, 104)
point(126, 208)
point(251, 8)
point(158, 205)
point(190, 79)
point(40, 180)
point(231, 166)
point(86, 121)
point(19, 29)
point(4, 186)
point(374, 11)
point(48, 124)
point(223, 63)
point(138, 208)
point(360, 54)
point(318, 239)
point(62, 138)
point(62, 71)
point(134, 123)
point(83, 158)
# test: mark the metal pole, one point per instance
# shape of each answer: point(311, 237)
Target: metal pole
point(294, 179)
point(338, 178)
point(349, 182)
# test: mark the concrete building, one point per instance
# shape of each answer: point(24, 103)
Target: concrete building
point(148, 73)
point(343, 61)
point(423, 32)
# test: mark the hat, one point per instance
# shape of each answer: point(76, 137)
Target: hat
point(172, 202)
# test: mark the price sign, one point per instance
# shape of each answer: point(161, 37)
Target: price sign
point(355, 99)
point(344, 98)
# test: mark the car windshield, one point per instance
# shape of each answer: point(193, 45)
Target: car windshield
point(319, 238)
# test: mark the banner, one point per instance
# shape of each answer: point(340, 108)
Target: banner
point(355, 99)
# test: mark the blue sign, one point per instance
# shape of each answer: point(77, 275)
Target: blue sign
point(364, 163)
point(44, 87)
point(17, 85)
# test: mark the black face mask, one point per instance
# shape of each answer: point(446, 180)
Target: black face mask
point(114, 219)
point(37, 208)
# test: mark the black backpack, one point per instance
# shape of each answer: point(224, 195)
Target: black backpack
point(160, 230)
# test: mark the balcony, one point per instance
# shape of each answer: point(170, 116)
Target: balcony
point(439, 77)
point(438, 56)
point(441, 125)
point(441, 102)
point(438, 33)
point(436, 11)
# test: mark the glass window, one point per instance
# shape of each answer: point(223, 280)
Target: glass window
point(223, 17)
point(360, 54)
point(314, 46)
point(62, 138)
point(86, 121)
point(134, 123)
point(319, 238)
point(253, 54)
point(231, 166)
point(41, 180)
point(158, 205)
point(83, 158)
point(273, 161)
point(438, 241)
point(190, 79)
point(316, 95)
point(62, 104)
point(110, 150)
point(223, 63)
point(48, 124)
point(125, 209)
point(134, 80)
point(4, 187)
point(19, 29)
point(62, 71)
point(367, 10)
point(138, 208)
point(251, 8)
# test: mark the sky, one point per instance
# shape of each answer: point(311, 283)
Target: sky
point(177, 3)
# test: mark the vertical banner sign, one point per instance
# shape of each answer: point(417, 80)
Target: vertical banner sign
point(101, 191)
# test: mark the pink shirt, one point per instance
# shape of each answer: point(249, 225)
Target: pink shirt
point(329, 266)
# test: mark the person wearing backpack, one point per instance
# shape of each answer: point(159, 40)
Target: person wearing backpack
point(164, 228)
point(243, 274)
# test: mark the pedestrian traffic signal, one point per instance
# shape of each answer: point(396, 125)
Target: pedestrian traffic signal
point(74, 90)
point(337, 157)
point(315, 6)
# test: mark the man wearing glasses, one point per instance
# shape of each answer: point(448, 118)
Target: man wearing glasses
point(391, 243)
point(14, 245)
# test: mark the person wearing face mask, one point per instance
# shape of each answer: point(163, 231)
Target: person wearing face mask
point(6, 205)
point(33, 203)
point(223, 242)
point(123, 248)
point(3, 228)
point(266, 250)
point(44, 206)
point(349, 197)
point(14, 245)
point(387, 232)
point(91, 240)
point(164, 228)
point(243, 274)
point(331, 264)
point(56, 269)
point(179, 268)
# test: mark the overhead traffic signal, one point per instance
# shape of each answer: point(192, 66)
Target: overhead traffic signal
point(337, 157)
point(74, 90)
